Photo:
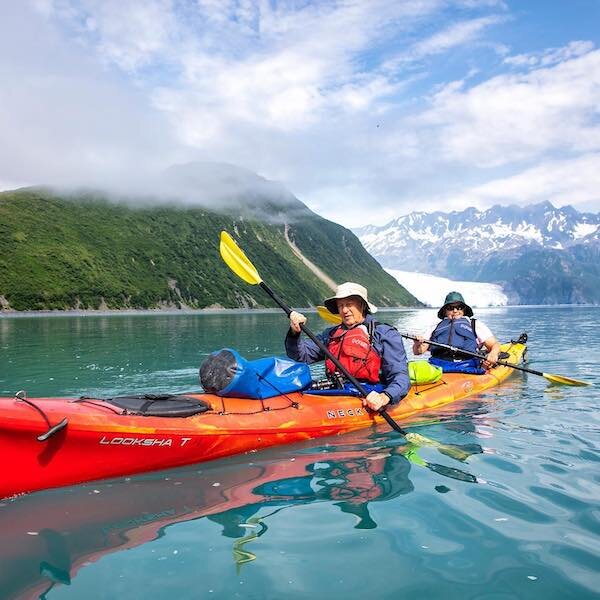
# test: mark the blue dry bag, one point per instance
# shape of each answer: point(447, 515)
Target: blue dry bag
point(226, 373)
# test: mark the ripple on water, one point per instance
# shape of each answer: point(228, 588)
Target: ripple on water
point(506, 505)
point(559, 499)
point(503, 465)
point(589, 455)
point(552, 468)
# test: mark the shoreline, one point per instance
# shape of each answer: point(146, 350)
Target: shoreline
point(15, 314)
point(167, 311)
point(132, 311)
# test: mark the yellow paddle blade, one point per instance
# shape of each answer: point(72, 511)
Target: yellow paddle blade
point(447, 449)
point(564, 380)
point(328, 316)
point(237, 261)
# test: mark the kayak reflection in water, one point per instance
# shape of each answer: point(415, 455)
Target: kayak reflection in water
point(351, 484)
point(49, 537)
point(57, 571)
point(375, 475)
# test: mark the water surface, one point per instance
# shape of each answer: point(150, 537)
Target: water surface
point(355, 516)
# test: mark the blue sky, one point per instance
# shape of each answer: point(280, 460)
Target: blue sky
point(365, 110)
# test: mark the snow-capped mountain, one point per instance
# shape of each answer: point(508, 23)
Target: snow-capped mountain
point(537, 253)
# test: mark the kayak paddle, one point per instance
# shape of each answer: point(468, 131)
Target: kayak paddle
point(335, 319)
point(328, 316)
point(239, 263)
point(549, 376)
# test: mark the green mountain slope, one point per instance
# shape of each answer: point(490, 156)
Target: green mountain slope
point(86, 252)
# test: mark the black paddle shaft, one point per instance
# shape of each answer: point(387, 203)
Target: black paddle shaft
point(331, 357)
point(473, 354)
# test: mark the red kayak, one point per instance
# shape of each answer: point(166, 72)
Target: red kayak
point(51, 442)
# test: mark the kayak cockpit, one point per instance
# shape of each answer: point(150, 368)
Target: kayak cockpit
point(155, 405)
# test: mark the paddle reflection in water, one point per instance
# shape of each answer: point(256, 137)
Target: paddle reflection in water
point(49, 536)
point(349, 476)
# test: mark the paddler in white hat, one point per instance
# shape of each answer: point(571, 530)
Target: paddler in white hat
point(372, 352)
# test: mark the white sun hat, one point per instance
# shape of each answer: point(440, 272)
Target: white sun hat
point(345, 290)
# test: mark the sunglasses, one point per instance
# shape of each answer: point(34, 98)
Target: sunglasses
point(455, 307)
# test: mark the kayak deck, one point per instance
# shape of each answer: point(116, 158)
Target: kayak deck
point(99, 441)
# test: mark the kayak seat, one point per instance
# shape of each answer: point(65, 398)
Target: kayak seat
point(159, 405)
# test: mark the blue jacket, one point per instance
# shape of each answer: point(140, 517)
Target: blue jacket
point(387, 342)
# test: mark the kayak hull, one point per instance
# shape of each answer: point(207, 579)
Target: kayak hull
point(98, 442)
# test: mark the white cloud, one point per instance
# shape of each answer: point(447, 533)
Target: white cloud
point(300, 72)
point(130, 34)
point(574, 181)
point(539, 130)
point(455, 35)
point(511, 118)
point(551, 56)
point(364, 109)
point(64, 118)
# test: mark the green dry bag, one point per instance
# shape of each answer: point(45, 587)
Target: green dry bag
point(422, 371)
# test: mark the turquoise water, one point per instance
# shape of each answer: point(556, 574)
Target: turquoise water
point(356, 516)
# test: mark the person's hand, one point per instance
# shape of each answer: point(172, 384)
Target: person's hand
point(491, 359)
point(376, 401)
point(296, 319)
point(418, 344)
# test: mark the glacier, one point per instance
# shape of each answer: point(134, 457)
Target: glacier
point(431, 289)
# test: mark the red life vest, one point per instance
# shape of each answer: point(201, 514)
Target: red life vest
point(353, 348)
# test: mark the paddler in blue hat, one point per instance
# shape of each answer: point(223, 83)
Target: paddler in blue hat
point(457, 328)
